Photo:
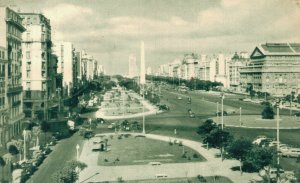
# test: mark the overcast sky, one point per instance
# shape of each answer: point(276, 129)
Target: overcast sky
point(111, 30)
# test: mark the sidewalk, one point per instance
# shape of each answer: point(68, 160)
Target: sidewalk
point(213, 165)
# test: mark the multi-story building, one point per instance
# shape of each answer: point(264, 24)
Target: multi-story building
point(66, 59)
point(36, 65)
point(207, 68)
point(273, 68)
point(3, 94)
point(222, 70)
point(234, 65)
point(190, 62)
point(11, 29)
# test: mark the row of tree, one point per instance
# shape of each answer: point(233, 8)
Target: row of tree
point(252, 157)
point(193, 83)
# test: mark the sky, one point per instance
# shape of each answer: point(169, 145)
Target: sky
point(111, 30)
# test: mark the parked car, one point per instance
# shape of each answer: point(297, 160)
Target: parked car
point(220, 113)
point(179, 98)
point(272, 172)
point(265, 142)
point(247, 100)
point(192, 115)
point(292, 152)
point(258, 139)
point(88, 134)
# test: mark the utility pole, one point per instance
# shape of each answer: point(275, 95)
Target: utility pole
point(277, 153)
point(143, 109)
point(240, 116)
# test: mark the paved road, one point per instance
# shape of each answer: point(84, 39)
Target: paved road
point(63, 151)
point(213, 166)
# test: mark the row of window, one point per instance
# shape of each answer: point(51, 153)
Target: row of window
point(44, 86)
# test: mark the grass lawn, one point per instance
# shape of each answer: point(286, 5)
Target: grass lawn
point(134, 151)
point(216, 179)
point(257, 121)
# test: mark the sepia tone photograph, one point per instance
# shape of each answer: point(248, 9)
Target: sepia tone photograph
point(149, 91)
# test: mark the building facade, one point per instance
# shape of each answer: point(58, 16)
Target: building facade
point(36, 65)
point(11, 29)
point(65, 53)
point(273, 68)
point(235, 64)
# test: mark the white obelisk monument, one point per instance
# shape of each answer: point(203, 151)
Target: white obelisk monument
point(143, 80)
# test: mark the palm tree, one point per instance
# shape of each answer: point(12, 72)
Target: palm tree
point(2, 164)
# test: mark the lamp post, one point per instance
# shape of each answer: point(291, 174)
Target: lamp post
point(143, 101)
point(240, 116)
point(24, 135)
point(222, 108)
point(277, 132)
point(218, 111)
point(77, 152)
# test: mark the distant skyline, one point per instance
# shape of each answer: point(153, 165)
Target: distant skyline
point(111, 30)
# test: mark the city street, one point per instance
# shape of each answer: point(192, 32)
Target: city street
point(63, 151)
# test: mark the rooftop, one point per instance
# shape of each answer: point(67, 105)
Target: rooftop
point(281, 48)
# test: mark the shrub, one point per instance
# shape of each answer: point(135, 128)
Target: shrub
point(201, 178)
point(298, 159)
point(180, 143)
point(195, 155)
point(189, 158)
point(184, 155)
point(170, 143)
point(268, 112)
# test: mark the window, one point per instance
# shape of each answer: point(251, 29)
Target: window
point(28, 74)
point(28, 54)
point(27, 85)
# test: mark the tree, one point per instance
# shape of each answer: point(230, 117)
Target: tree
point(207, 127)
point(239, 149)
point(268, 112)
point(13, 150)
point(69, 173)
point(258, 158)
point(45, 127)
point(218, 138)
point(2, 164)
point(252, 93)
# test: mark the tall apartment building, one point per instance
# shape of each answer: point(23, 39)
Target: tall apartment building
point(66, 60)
point(36, 62)
point(273, 68)
point(11, 60)
point(235, 64)
point(190, 62)
point(3, 95)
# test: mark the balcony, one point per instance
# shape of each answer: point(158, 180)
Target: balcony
point(16, 103)
point(14, 89)
point(17, 24)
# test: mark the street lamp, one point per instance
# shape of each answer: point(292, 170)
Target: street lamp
point(77, 152)
point(222, 112)
point(277, 130)
point(24, 135)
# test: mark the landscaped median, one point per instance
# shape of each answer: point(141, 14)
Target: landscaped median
point(149, 156)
